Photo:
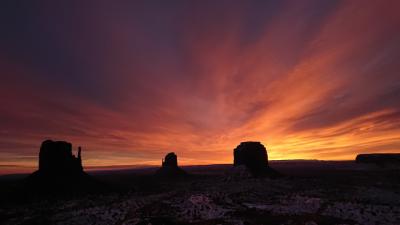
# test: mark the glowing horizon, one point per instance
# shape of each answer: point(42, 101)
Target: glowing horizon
point(130, 82)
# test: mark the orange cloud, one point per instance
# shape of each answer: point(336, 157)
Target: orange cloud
point(310, 80)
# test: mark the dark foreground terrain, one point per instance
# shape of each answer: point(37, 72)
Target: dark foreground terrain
point(312, 192)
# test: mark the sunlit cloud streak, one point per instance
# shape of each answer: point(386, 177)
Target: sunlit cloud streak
point(132, 81)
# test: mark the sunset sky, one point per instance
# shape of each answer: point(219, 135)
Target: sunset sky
point(132, 80)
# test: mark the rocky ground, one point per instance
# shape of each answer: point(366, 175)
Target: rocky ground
point(328, 194)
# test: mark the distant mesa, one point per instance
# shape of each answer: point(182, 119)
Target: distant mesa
point(252, 156)
point(169, 167)
point(55, 157)
point(381, 159)
point(171, 160)
point(59, 170)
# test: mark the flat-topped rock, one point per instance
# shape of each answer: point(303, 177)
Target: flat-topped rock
point(60, 171)
point(170, 160)
point(379, 158)
point(169, 167)
point(56, 157)
point(253, 155)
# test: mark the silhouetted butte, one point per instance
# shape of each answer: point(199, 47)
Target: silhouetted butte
point(253, 155)
point(55, 157)
point(59, 170)
point(381, 159)
point(169, 167)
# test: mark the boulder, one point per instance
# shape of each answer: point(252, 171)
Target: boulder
point(169, 167)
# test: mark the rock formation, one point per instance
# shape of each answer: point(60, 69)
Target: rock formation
point(169, 167)
point(56, 157)
point(59, 171)
point(252, 155)
point(381, 159)
point(171, 160)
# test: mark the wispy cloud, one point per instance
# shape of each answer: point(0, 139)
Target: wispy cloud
point(132, 81)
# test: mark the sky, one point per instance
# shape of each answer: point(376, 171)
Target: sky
point(130, 81)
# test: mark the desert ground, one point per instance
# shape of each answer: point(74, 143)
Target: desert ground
point(310, 193)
